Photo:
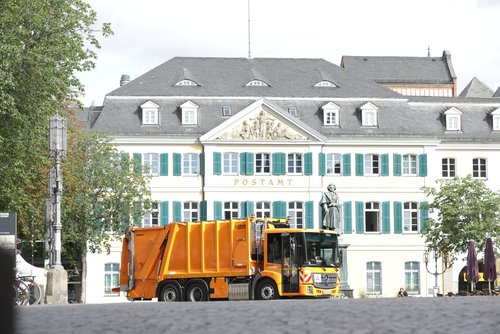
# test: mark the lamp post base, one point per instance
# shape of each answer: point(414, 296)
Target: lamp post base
point(57, 286)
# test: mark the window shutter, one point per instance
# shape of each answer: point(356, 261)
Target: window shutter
point(243, 210)
point(308, 164)
point(137, 214)
point(360, 167)
point(279, 209)
point(384, 159)
point(203, 211)
point(163, 164)
point(360, 217)
point(177, 211)
point(164, 213)
point(138, 162)
point(217, 163)
point(398, 217)
point(124, 156)
point(279, 163)
point(422, 164)
point(386, 218)
point(247, 163)
point(243, 165)
point(125, 220)
point(202, 164)
point(322, 164)
point(397, 164)
point(309, 206)
point(346, 162)
point(247, 209)
point(217, 210)
point(177, 165)
point(347, 217)
point(424, 214)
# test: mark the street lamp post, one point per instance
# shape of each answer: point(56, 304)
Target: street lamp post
point(57, 289)
point(436, 272)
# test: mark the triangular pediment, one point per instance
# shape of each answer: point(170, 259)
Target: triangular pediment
point(262, 121)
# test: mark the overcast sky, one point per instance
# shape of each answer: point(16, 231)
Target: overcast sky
point(150, 32)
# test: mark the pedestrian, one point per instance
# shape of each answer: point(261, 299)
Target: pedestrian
point(402, 293)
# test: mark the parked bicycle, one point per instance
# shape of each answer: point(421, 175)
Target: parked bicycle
point(27, 291)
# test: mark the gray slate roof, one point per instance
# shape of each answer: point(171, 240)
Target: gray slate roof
point(433, 70)
point(476, 88)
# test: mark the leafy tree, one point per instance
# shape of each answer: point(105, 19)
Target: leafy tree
point(43, 43)
point(466, 210)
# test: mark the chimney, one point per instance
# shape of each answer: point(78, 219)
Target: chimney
point(125, 79)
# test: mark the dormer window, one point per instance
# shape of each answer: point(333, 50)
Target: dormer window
point(257, 83)
point(186, 83)
point(331, 114)
point(189, 113)
point(226, 111)
point(453, 119)
point(325, 83)
point(293, 111)
point(369, 113)
point(150, 113)
point(496, 119)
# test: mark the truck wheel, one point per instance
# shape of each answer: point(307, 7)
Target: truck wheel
point(266, 290)
point(170, 293)
point(197, 292)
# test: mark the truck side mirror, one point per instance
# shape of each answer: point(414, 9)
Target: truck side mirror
point(340, 255)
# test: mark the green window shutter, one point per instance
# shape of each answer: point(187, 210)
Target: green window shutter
point(137, 214)
point(163, 164)
point(386, 218)
point(347, 217)
point(217, 210)
point(322, 164)
point(138, 162)
point(164, 213)
point(422, 164)
point(279, 163)
point(279, 209)
point(125, 220)
point(397, 164)
point(243, 210)
point(124, 156)
point(360, 165)
point(177, 165)
point(384, 159)
point(398, 217)
point(346, 162)
point(250, 158)
point(360, 217)
point(177, 211)
point(203, 211)
point(250, 208)
point(308, 163)
point(424, 214)
point(309, 206)
point(217, 163)
point(202, 164)
point(243, 165)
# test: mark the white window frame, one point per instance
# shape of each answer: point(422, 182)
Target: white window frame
point(333, 163)
point(152, 160)
point(410, 217)
point(111, 278)
point(325, 83)
point(495, 114)
point(190, 164)
point(151, 217)
point(409, 166)
point(369, 115)
point(412, 277)
point(230, 163)
point(186, 82)
point(296, 214)
point(263, 209)
point(190, 211)
point(231, 210)
point(294, 163)
point(448, 163)
point(453, 119)
point(293, 111)
point(331, 114)
point(374, 278)
point(150, 113)
point(257, 83)
point(479, 168)
point(262, 163)
point(372, 164)
point(189, 112)
point(226, 111)
point(373, 208)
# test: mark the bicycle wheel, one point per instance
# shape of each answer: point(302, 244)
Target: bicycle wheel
point(22, 292)
point(35, 293)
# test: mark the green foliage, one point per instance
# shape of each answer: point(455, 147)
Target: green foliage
point(466, 210)
point(43, 43)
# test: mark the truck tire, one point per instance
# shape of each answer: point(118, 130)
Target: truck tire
point(197, 292)
point(266, 290)
point(170, 292)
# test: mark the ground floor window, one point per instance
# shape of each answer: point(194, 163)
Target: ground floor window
point(231, 210)
point(111, 278)
point(263, 209)
point(296, 213)
point(151, 216)
point(374, 278)
point(412, 277)
point(190, 212)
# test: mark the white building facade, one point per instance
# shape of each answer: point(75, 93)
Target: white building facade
point(229, 137)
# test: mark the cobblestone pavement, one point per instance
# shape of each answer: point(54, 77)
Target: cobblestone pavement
point(384, 315)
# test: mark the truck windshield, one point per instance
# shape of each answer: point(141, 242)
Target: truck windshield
point(321, 250)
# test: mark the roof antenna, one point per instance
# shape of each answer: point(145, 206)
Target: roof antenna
point(428, 50)
point(249, 52)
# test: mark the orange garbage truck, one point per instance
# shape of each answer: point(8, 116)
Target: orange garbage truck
point(252, 258)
